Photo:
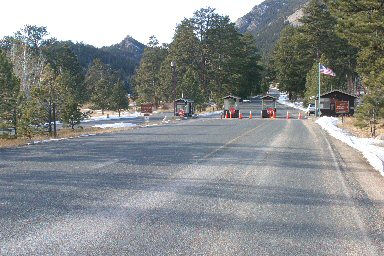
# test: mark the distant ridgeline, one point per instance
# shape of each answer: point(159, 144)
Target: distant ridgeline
point(123, 57)
point(268, 19)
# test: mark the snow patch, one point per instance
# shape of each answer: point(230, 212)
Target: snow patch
point(115, 125)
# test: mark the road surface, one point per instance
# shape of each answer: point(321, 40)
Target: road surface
point(197, 187)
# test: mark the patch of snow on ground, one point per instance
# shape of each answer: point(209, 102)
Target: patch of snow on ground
point(297, 105)
point(115, 125)
point(368, 147)
point(113, 117)
point(211, 113)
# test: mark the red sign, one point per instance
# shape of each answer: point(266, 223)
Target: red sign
point(146, 108)
point(342, 107)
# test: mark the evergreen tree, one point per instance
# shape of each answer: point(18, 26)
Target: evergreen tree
point(119, 97)
point(299, 48)
point(49, 96)
point(209, 45)
point(32, 115)
point(99, 81)
point(65, 64)
point(362, 24)
point(69, 109)
point(70, 113)
point(184, 53)
point(251, 67)
point(319, 28)
point(292, 60)
point(147, 80)
point(9, 90)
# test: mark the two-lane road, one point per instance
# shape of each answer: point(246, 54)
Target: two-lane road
point(198, 187)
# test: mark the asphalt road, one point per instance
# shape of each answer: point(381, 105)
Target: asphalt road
point(195, 187)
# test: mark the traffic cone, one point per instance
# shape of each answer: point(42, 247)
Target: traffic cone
point(240, 115)
point(250, 114)
point(226, 115)
point(230, 115)
point(288, 116)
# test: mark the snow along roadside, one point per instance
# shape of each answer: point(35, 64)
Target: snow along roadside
point(367, 146)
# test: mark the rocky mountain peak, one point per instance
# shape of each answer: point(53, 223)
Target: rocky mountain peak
point(266, 20)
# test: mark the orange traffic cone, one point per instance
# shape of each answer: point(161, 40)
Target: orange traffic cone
point(250, 114)
point(226, 115)
point(240, 115)
point(230, 115)
point(288, 116)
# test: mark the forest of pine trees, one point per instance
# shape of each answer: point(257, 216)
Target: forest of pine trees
point(42, 82)
point(212, 60)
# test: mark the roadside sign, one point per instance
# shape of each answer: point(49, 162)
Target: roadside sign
point(146, 108)
point(342, 107)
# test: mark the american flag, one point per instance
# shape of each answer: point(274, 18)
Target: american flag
point(326, 71)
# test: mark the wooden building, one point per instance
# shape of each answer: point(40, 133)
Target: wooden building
point(337, 103)
point(184, 107)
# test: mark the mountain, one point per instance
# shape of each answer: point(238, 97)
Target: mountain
point(266, 20)
point(123, 57)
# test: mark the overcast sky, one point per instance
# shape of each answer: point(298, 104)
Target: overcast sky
point(107, 22)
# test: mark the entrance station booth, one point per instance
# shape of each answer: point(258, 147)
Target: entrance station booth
point(231, 106)
point(184, 107)
point(268, 104)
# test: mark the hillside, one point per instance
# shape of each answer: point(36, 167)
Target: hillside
point(123, 57)
point(266, 20)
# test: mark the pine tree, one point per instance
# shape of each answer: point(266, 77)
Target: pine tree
point(147, 79)
point(319, 28)
point(119, 97)
point(32, 115)
point(9, 90)
point(99, 81)
point(50, 97)
point(292, 60)
point(362, 24)
point(70, 112)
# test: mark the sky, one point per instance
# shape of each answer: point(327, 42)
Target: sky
point(103, 23)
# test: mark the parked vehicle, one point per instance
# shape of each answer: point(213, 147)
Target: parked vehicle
point(311, 109)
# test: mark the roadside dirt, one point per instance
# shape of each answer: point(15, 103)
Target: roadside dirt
point(348, 124)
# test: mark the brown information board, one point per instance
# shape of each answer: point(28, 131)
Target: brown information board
point(342, 107)
point(146, 108)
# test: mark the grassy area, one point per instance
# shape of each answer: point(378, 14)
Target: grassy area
point(349, 124)
point(62, 133)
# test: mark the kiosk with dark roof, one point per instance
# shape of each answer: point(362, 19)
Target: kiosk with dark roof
point(231, 106)
point(184, 107)
point(268, 106)
point(337, 103)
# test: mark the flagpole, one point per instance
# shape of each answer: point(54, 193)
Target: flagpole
point(318, 103)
